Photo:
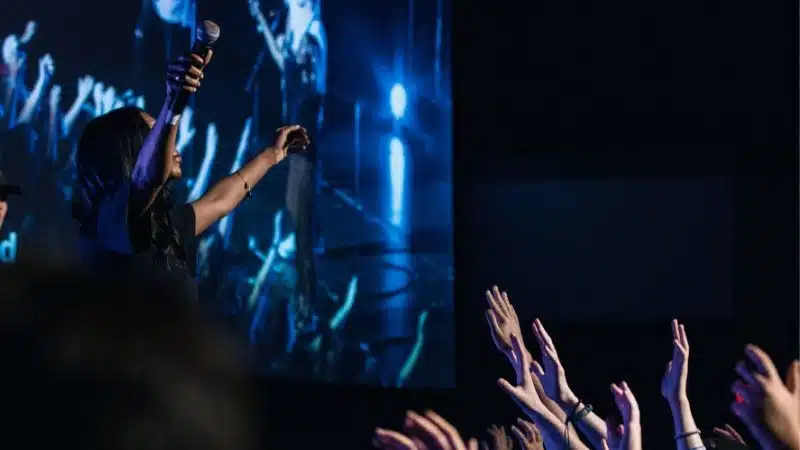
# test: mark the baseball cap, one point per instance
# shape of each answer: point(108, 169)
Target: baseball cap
point(7, 188)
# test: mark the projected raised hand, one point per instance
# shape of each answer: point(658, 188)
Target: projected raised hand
point(97, 96)
point(55, 98)
point(47, 66)
point(83, 91)
point(30, 31)
point(46, 70)
point(200, 183)
point(85, 85)
point(186, 130)
point(109, 100)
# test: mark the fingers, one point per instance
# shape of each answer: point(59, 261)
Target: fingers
point(735, 434)
point(472, 444)
point(208, 57)
point(507, 304)
point(499, 300)
point(744, 373)
point(494, 302)
point(761, 360)
point(604, 444)
point(683, 338)
point(793, 377)
point(392, 440)
point(520, 436)
point(545, 336)
point(426, 430)
point(531, 432)
point(537, 369)
point(491, 318)
point(453, 437)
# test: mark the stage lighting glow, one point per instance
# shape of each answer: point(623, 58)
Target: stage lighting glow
point(397, 175)
point(397, 101)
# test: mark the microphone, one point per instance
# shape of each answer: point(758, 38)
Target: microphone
point(207, 35)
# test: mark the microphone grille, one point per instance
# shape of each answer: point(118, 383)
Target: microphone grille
point(207, 32)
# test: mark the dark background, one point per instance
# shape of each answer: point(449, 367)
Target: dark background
point(585, 90)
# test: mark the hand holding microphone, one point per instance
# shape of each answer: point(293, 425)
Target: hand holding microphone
point(184, 75)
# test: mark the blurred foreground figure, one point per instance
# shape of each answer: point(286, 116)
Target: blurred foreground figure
point(137, 369)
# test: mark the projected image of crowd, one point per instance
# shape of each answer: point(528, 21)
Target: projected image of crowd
point(40, 131)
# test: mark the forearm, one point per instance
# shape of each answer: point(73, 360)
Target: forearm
point(591, 425)
point(152, 166)
point(554, 434)
point(231, 190)
point(683, 423)
point(32, 101)
point(72, 114)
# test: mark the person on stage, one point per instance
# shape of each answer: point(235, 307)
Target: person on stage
point(301, 55)
point(125, 162)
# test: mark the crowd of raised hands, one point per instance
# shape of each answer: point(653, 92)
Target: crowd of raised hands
point(767, 404)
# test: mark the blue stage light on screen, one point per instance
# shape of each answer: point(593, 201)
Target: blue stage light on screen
point(397, 101)
point(397, 175)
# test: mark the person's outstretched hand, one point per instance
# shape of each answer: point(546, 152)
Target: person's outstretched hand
point(499, 438)
point(628, 434)
point(673, 385)
point(554, 378)
point(769, 408)
point(729, 433)
point(423, 432)
point(524, 393)
point(502, 318)
point(527, 435)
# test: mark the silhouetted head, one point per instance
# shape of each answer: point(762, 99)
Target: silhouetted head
point(108, 149)
point(107, 152)
point(115, 363)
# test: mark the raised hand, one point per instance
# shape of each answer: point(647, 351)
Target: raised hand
point(554, 378)
point(186, 72)
point(97, 95)
point(109, 99)
point(769, 408)
point(527, 435)
point(502, 319)
point(55, 98)
point(628, 435)
point(500, 439)
point(729, 433)
point(673, 385)
point(30, 31)
point(524, 393)
point(85, 84)
point(428, 432)
point(46, 66)
point(289, 137)
point(186, 130)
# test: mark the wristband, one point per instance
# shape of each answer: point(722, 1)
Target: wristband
point(687, 434)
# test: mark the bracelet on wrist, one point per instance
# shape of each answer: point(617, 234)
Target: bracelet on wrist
point(687, 434)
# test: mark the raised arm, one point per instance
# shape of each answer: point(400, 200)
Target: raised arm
point(503, 323)
point(153, 165)
point(226, 195)
point(263, 27)
point(46, 68)
point(673, 388)
point(556, 386)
